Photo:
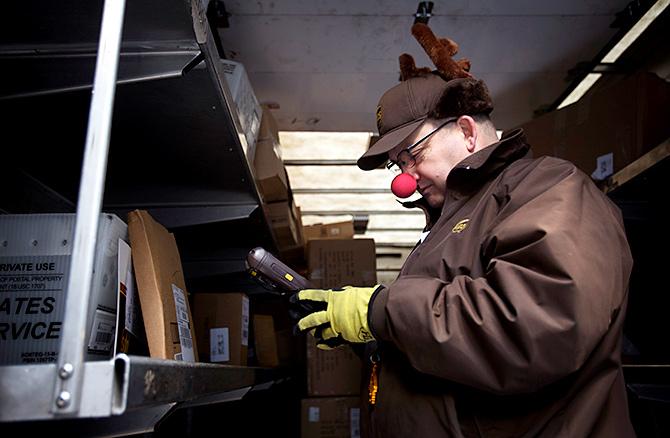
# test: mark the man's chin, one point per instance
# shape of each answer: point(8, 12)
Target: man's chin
point(434, 200)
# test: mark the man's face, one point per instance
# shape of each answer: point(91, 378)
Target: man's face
point(434, 158)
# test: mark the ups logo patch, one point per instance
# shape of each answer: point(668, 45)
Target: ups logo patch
point(460, 226)
point(379, 119)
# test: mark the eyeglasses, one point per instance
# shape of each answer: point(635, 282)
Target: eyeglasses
point(405, 159)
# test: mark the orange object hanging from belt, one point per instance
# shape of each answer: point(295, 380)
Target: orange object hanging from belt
point(373, 385)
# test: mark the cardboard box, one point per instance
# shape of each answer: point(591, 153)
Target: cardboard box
point(624, 119)
point(222, 327)
point(294, 255)
point(274, 347)
point(338, 230)
point(331, 417)
point(269, 129)
point(283, 218)
point(269, 170)
point(336, 263)
point(265, 341)
point(332, 372)
point(248, 109)
point(271, 177)
point(35, 262)
point(299, 226)
point(168, 321)
point(289, 348)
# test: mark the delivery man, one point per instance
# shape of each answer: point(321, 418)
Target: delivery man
point(506, 320)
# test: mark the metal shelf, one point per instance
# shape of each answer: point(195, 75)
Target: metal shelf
point(126, 383)
point(143, 387)
point(54, 50)
point(176, 149)
point(176, 146)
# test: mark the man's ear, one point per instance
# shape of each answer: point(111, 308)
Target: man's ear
point(468, 128)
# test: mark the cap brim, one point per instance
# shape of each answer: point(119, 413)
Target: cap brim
point(378, 153)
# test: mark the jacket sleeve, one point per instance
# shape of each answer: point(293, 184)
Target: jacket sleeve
point(555, 272)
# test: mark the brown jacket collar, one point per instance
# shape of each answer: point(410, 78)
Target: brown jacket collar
point(469, 175)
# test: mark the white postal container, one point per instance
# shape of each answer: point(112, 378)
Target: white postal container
point(35, 254)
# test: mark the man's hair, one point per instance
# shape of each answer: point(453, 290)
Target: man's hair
point(485, 122)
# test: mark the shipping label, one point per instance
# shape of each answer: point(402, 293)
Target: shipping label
point(219, 346)
point(313, 414)
point(102, 331)
point(245, 321)
point(183, 324)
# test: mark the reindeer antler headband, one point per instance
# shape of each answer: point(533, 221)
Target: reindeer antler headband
point(440, 51)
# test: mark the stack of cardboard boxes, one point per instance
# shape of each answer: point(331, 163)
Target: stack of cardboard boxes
point(226, 330)
point(220, 323)
point(219, 327)
point(334, 258)
point(335, 377)
point(274, 187)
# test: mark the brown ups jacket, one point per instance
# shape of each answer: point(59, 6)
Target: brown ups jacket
point(507, 320)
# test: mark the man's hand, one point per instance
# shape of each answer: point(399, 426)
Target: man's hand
point(326, 338)
point(334, 315)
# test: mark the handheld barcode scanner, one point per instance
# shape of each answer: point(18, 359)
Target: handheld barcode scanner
point(273, 274)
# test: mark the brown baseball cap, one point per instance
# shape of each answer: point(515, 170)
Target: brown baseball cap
point(403, 109)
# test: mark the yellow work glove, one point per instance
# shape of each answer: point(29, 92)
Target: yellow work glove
point(345, 313)
point(326, 338)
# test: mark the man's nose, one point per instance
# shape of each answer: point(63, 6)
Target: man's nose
point(411, 172)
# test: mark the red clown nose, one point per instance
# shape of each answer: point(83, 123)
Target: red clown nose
point(403, 185)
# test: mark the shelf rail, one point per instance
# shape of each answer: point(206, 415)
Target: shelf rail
point(70, 367)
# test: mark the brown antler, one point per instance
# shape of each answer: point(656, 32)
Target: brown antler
point(408, 68)
point(440, 51)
